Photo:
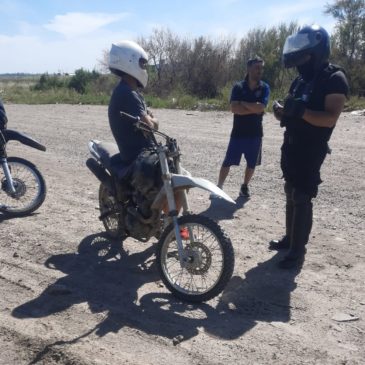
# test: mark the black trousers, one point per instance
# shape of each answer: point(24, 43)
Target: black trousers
point(299, 218)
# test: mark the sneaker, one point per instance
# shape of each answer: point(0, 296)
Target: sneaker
point(244, 191)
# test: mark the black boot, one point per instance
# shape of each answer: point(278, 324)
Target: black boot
point(301, 228)
point(284, 242)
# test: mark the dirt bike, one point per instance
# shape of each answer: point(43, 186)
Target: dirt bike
point(195, 257)
point(23, 189)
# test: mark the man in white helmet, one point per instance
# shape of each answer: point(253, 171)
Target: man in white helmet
point(129, 61)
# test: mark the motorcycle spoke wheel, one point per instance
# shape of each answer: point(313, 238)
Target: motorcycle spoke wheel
point(30, 188)
point(209, 259)
point(111, 222)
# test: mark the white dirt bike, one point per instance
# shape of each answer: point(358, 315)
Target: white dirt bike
point(195, 257)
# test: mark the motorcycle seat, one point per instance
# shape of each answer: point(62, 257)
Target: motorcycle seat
point(110, 158)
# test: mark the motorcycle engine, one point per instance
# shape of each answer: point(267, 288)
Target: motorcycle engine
point(136, 225)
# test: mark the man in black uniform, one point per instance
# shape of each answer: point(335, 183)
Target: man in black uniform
point(315, 101)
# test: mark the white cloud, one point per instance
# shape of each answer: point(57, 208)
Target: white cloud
point(76, 24)
point(35, 55)
point(85, 35)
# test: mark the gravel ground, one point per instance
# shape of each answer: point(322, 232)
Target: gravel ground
point(62, 302)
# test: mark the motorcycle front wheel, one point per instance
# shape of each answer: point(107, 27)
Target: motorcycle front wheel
point(109, 213)
point(209, 259)
point(30, 188)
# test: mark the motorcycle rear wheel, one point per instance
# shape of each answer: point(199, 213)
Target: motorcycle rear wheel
point(30, 188)
point(210, 259)
point(111, 222)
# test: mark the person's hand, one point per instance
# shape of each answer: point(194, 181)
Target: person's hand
point(155, 123)
point(293, 108)
point(149, 112)
point(277, 109)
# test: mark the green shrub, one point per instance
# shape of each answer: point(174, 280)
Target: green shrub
point(82, 79)
point(47, 82)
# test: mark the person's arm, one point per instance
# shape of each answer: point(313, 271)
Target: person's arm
point(336, 91)
point(333, 107)
point(244, 107)
point(149, 119)
point(140, 109)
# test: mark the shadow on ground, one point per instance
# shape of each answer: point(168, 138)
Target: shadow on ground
point(103, 275)
point(221, 209)
point(7, 217)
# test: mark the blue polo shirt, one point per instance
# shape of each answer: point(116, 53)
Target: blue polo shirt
point(249, 125)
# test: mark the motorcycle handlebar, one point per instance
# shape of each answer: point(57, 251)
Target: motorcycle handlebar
point(136, 119)
point(138, 122)
point(144, 126)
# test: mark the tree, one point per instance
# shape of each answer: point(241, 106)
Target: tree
point(348, 40)
point(349, 34)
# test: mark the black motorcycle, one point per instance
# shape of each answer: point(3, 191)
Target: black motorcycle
point(23, 188)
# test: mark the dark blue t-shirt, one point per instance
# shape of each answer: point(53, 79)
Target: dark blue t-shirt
point(249, 125)
point(129, 140)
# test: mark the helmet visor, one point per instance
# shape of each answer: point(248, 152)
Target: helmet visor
point(143, 63)
point(297, 42)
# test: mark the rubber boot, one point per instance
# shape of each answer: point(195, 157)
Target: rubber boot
point(301, 228)
point(284, 242)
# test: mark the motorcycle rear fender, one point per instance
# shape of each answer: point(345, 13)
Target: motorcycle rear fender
point(101, 174)
point(92, 148)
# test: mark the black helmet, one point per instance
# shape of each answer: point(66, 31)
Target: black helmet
point(311, 40)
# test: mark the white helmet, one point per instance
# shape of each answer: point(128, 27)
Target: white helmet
point(128, 57)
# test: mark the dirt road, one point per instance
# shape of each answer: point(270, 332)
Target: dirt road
point(68, 295)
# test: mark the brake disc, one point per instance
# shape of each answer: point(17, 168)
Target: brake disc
point(199, 258)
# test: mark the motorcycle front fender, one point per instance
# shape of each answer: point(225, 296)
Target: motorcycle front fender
point(188, 182)
point(11, 135)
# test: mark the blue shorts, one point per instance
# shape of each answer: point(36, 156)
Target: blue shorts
point(249, 147)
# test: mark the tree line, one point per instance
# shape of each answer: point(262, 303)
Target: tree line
point(203, 67)
point(206, 68)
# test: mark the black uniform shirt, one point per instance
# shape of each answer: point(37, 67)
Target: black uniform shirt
point(331, 80)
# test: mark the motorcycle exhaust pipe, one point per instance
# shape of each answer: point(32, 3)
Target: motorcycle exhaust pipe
point(100, 173)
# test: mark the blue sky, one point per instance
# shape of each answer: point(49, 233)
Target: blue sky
point(39, 36)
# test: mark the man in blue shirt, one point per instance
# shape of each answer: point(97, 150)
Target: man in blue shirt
point(249, 98)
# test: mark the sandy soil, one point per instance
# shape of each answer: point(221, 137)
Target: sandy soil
point(68, 295)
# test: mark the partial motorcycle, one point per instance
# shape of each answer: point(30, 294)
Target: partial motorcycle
point(194, 255)
point(23, 188)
